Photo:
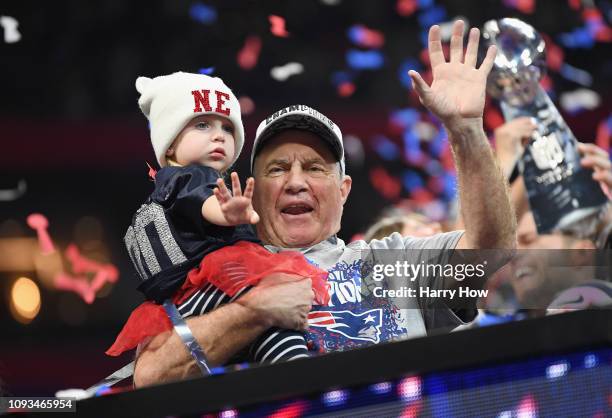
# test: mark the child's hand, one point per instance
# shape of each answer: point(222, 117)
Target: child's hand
point(237, 209)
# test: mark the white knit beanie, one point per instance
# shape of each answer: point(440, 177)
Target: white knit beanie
point(171, 101)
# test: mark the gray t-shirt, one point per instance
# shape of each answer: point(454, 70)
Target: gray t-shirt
point(354, 317)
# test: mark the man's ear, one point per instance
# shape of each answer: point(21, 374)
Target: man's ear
point(345, 188)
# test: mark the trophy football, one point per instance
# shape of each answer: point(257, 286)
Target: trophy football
point(562, 194)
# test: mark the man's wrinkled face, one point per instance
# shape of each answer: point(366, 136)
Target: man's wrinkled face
point(299, 194)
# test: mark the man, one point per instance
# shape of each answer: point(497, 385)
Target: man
point(558, 271)
point(300, 191)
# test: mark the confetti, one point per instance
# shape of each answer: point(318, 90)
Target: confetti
point(404, 117)
point(206, 70)
point(354, 150)
point(405, 66)
point(247, 105)
point(152, 172)
point(346, 89)
point(249, 54)
point(364, 60)
point(385, 148)
point(432, 16)
point(576, 75)
point(406, 7)
point(604, 131)
point(7, 195)
point(365, 37)
point(577, 100)
point(523, 6)
point(578, 38)
point(387, 185)
point(411, 180)
point(203, 13)
point(11, 34)
point(277, 26)
point(283, 72)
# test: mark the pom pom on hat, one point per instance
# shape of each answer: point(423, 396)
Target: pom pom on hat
point(169, 102)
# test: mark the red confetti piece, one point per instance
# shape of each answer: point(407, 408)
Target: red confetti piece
point(446, 158)
point(546, 83)
point(493, 118)
point(152, 172)
point(574, 4)
point(39, 223)
point(277, 26)
point(249, 54)
point(406, 7)
point(524, 6)
point(421, 195)
point(247, 105)
point(602, 138)
point(554, 55)
point(388, 186)
point(370, 38)
point(346, 89)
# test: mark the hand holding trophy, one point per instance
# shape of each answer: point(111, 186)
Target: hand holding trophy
point(562, 194)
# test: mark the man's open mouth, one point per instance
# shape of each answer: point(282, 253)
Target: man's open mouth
point(297, 209)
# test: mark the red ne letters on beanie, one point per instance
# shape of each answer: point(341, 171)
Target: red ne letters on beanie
point(202, 100)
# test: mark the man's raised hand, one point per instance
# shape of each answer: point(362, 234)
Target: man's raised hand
point(458, 88)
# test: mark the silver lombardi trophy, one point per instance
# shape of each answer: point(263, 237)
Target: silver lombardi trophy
point(562, 194)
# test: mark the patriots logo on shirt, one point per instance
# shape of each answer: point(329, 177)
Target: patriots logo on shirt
point(364, 326)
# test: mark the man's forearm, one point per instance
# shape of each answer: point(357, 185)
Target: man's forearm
point(220, 333)
point(483, 196)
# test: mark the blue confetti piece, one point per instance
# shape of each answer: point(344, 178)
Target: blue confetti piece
point(424, 4)
point(434, 168)
point(432, 16)
point(364, 60)
point(340, 77)
point(411, 181)
point(203, 13)
point(411, 142)
point(355, 34)
point(405, 117)
point(385, 148)
point(609, 123)
point(405, 66)
point(450, 186)
point(576, 75)
point(436, 146)
point(424, 37)
point(207, 70)
point(578, 38)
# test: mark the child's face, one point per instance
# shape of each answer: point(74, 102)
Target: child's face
point(206, 140)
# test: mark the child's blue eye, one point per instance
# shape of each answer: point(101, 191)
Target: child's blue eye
point(202, 125)
point(228, 129)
